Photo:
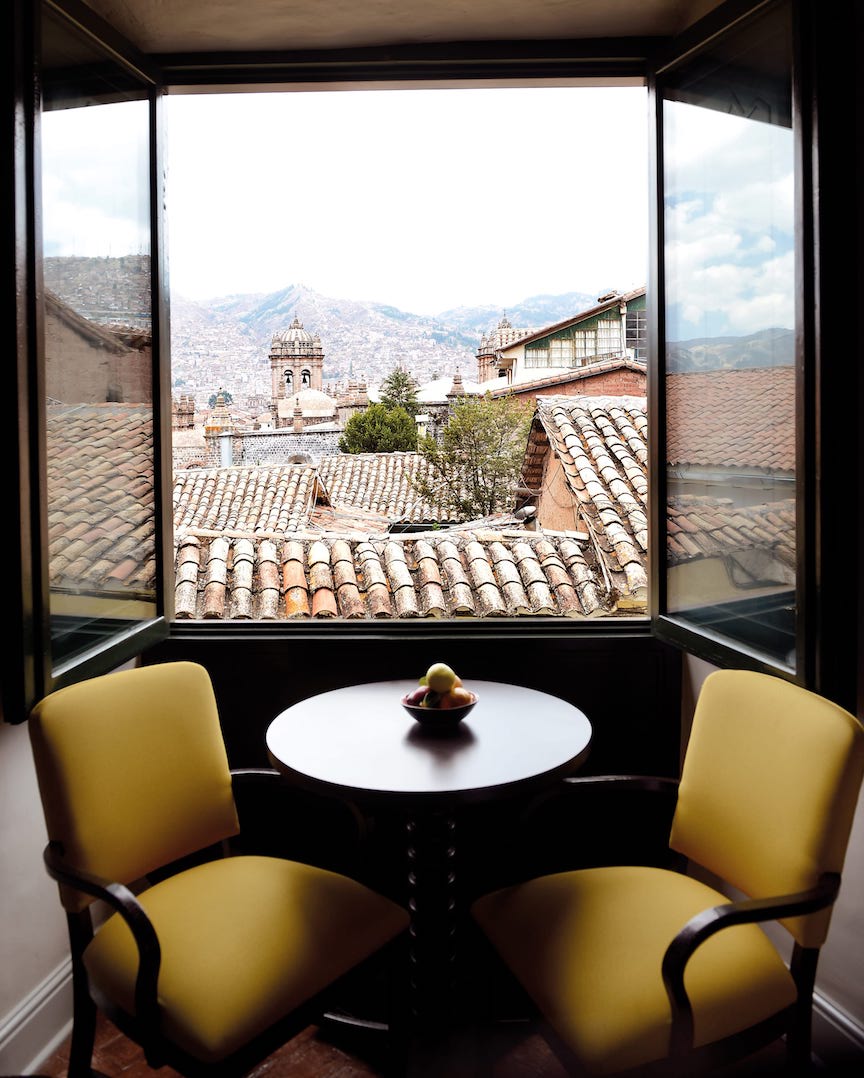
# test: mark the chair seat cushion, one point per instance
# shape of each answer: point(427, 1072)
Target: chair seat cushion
point(588, 946)
point(244, 941)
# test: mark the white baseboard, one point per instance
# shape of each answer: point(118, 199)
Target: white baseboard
point(38, 1025)
point(838, 1039)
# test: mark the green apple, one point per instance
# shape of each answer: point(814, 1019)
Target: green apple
point(440, 678)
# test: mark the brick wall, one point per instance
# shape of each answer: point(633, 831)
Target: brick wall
point(619, 383)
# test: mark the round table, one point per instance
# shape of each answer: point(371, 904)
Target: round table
point(359, 744)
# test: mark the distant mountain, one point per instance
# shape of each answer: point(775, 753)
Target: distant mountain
point(225, 342)
point(360, 338)
point(767, 348)
point(532, 313)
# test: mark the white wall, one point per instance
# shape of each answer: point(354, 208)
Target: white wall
point(35, 995)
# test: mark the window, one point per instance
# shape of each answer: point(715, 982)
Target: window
point(100, 475)
point(768, 604)
point(608, 337)
point(731, 312)
point(537, 355)
point(561, 352)
point(637, 334)
point(397, 275)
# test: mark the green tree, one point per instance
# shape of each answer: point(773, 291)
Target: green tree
point(399, 390)
point(476, 467)
point(226, 396)
point(379, 429)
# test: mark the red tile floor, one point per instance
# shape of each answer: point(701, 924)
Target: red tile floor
point(517, 1052)
point(312, 1054)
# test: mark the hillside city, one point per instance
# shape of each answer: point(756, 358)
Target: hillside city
point(513, 483)
point(223, 343)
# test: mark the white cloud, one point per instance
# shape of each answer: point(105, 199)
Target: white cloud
point(729, 230)
point(95, 181)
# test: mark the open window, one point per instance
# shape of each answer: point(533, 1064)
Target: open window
point(94, 556)
point(730, 364)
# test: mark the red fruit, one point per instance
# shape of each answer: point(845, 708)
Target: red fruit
point(415, 697)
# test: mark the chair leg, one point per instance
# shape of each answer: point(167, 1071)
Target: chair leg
point(799, 1040)
point(83, 1008)
point(83, 1029)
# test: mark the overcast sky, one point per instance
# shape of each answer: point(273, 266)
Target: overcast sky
point(432, 199)
point(424, 199)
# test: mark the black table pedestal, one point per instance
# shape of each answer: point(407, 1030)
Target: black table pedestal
point(431, 857)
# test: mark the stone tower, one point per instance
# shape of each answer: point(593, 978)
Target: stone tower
point(296, 364)
point(501, 337)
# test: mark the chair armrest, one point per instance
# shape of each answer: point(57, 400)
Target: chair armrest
point(264, 798)
point(647, 783)
point(119, 898)
point(590, 820)
point(705, 924)
point(572, 785)
point(249, 777)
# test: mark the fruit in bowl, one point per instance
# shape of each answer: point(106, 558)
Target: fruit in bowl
point(439, 695)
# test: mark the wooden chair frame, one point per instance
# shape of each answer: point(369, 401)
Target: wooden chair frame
point(145, 1026)
point(794, 1022)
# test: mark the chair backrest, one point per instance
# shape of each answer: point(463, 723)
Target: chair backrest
point(769, 788)
point(132, 771)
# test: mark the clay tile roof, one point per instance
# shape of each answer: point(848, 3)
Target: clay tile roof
point(259, 500)
point(706, 527)
point(601, 443)
point(732, 418)
point(101, 505)
point(381, 483)
point(469, 574)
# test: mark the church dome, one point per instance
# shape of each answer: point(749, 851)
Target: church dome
point(295, 340)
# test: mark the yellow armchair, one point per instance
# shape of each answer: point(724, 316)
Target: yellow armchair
point(648, 969)
point(214, 966)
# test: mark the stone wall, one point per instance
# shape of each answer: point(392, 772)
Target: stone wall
point(256, 447)
point(276, 446)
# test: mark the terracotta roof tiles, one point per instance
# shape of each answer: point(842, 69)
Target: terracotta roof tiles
point(705, 527)
point(478, 574)
point(380, 483)
point(601, 445)
point(270, 500)
point(732, 418)
point(101, 503)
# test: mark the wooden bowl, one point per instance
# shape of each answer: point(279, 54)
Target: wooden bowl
point(441, 717)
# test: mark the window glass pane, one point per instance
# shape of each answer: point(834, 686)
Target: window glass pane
point(98, 366)
point(608, 337)
point(730, 339)
point(637, 334)
point(561, 352)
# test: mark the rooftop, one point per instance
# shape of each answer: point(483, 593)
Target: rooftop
point(762, 400)
point(601, 443)
point(468, 574)
point(101, 520)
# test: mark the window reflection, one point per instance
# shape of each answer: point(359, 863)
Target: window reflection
point(98, 344)
point(730, 332)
